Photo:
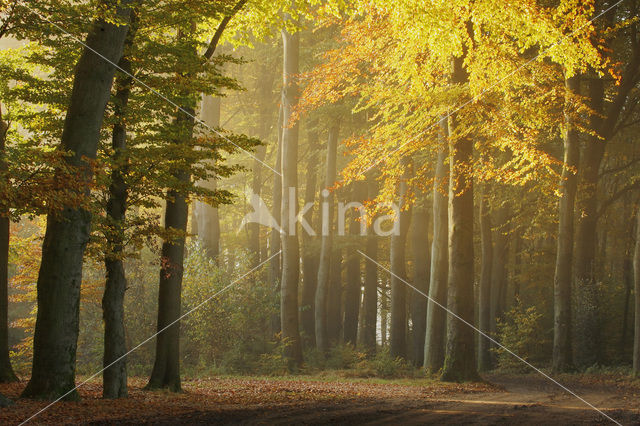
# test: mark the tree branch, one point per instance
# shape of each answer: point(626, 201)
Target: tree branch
point(616, 196)
point(213, 45)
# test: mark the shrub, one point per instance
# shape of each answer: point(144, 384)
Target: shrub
point(521, 332)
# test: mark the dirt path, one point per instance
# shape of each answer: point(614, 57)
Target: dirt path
point(505, 399)
point(522, 400)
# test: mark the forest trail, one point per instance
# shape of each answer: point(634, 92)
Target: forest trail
point(522, 400)
point(507, 399)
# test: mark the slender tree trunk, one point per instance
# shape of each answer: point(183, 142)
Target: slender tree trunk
point(6, 371)
point(275, 243)
point(166, 369)
point(484, 299)
point(636, 272)
point(370, 310)
point(499, 266)
point(324, 267)
point(398, 335)
point(353, 288)
point(310, 255)
point(436, 315)
point(264, 89)
point(114, 377)
point(334, 298)
point(290, 246)
point(564, 254)
point(460, 357)
point(57, 322)
point(207, 216)
point(587, 324)
point(421, 264)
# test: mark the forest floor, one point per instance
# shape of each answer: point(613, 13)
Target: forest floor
point(503, 399)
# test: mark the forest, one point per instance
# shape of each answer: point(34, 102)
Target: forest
point(319, 211)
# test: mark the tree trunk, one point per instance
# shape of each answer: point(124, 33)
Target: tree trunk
point(421, 263)
point(310, 259)
point(264, 90)
point(564, 255)
point(166, 369)
point(324, 267)
point(60, 277)
point(587, 325)
point(334, 298)
point(484, 300)
point(370, 309)
point(290, 247)
point(636, 274)
point(498, 266)
point(114, 377)
point(6, 371)
point(353, 288)
point(207, 216)
point(460, 356)
point(398, 331)
point(275, 265)
point(436, 315)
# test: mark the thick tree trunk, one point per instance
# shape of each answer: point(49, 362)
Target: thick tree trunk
point(310, 256)
point(636, 274)
point(324, 268)
point(398, 331)
point(207, 216)
point(421, 264)
point(353, 287)
point(290, 246)
point(114, 377)
point(460, 356)
point(436, 315)
point(6, 371)
point(484, 299)
point(60, 277)
point(370, 309)
point(564, 254)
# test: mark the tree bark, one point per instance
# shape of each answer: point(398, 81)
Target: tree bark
point(353, 287)
point(310, 259)
point(398, 330)
point(484, 302)
point(6, 371)
point(114, 377)
point(60, 277)
point(207, 216)
point(290, 247)
point(370, 309)
point(436, 315)
point(460, 357)
point(324, 267)
point(421, 263)
point(564, 255)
